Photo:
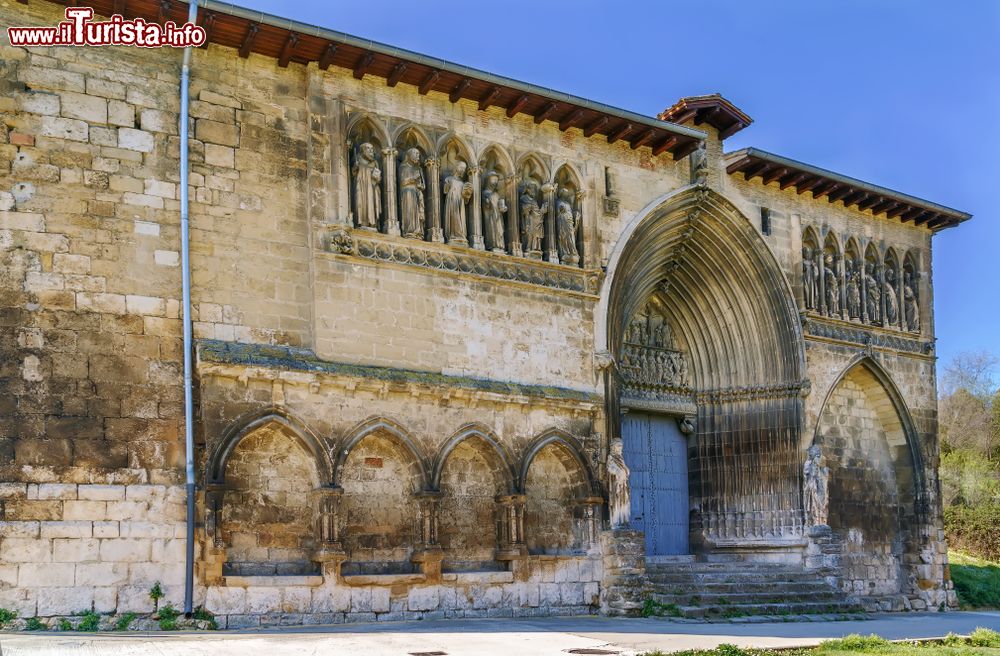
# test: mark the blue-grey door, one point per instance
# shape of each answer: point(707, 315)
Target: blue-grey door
point(656, 454)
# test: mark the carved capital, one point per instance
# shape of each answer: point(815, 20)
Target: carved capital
point(340, 241)
point(580, 195)
point(603, 360)
point(548, 188)
point(432, 162)
point(390, 152)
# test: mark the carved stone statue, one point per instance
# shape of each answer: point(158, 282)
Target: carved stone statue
point(911, 306)
point(411, 195)
point(367, 178)
point(810, 278)
point(853, 290)
point(891, 301)
point(494, 207)
point(832, 285)
point(567, 222)
point(457, 193)
point(871, 294)
point(619, 495)
point(532, 220)
point(699, 165)
point(815, 487)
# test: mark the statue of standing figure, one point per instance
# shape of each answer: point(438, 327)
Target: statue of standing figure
point(494, 207)
point(891, 301)
point(619, 495)
point(871, 294)
point(853, 290)
point(815, 484)
point(911, 306)
point(457, 192)
point(411, 195)
point(832, 285)
point(568, 222)
point(367, 178)
point(699, 164)
point(532, 220)
point(810, 278)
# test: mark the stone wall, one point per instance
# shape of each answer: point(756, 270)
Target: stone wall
point(91, 426)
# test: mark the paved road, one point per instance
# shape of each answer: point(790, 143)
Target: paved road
point(541, 637)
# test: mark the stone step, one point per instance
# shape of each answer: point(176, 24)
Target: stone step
point(695, 566)
point(803, 587)
point(741, 610)
point(694, 598)
point(700, 580)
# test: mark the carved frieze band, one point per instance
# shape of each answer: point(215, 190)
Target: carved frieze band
point(373, 246)
point(816, 327)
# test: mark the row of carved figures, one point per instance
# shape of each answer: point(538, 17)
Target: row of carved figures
point(463, 205)
point(874, 291)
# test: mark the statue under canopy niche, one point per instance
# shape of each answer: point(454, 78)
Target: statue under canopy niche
point(619, 495)
point(891, 301)
point(457, 192)
point(832, 285)
point(810, 278)
point(494, 207)
point(532, 220)
point(567, 224)
point(367, 177)
point(411, 195)
point(911, 306)
point(815, 487)
point(871, 294)
point(853, 290)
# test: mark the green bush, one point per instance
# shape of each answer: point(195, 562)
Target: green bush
point(974, 529)
point(984, 638)
point(124, 622)
point(34, 624)
point(91, 621)
point(206, 616)
point(168, 618)
point(856, 644)
point(64, 624)
point(6, 616)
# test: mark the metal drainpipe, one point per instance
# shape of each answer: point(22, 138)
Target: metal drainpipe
point(186, 302)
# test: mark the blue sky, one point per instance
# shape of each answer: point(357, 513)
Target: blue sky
point(901, 93)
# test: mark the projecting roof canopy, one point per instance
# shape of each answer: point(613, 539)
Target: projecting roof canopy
point(754, 163)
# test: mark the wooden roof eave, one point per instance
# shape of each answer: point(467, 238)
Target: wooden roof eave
point(752, 163)
point(289, 41)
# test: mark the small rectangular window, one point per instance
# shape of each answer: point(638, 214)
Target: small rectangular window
point(765, 221)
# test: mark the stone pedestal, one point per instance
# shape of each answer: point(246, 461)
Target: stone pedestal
point(624, 581)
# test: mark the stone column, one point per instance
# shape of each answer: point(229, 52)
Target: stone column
point(591, 507)
point(863, 285)
point(214, 498)
point(901, 318)
point(842, 275)
point(428, 553)
point(389, 182)
point(821, 263)
point(550, 245)
point(513, 218)
point(880, 279)
point(581, 197)
point(476, 232)
point(510, 527)
point(434, 231)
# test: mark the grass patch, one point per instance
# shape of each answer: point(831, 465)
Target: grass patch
point(168, 618)
point(91, 621)
point(200, 613)
point(982, 642)
point(34, 624)
point(653, 608)
point(977, 580)
point(124, 622)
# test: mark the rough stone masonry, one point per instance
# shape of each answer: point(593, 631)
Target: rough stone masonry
point(426, 305)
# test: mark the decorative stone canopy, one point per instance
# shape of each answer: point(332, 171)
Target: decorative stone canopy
point(713, 109)
point(290, 41)
point(755, 163)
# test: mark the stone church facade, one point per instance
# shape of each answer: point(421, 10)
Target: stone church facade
point(463, 346)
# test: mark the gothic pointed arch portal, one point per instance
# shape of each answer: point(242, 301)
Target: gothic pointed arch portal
point(704, 332)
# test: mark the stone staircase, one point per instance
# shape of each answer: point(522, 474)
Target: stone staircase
point(682, 587)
